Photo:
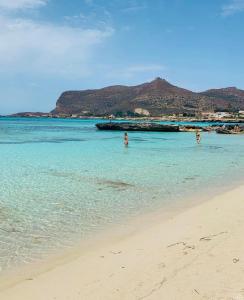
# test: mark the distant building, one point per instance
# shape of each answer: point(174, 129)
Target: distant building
point(221, 115)
point(216, 115)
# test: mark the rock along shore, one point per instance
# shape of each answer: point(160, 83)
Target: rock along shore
point(138, 127)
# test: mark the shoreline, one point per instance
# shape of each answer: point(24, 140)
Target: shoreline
point(132, 258)
point(147, 119)
point(172, 119)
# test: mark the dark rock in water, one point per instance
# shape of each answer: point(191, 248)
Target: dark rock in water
point(189, 128)
point(138, 127)
point(193, 127)
point(223, 131)
point(231, 129)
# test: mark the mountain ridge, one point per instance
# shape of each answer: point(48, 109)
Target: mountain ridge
point(151, 98)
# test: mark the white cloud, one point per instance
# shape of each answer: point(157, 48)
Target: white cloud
point(134, 8)
point(133, 71)
point(28, 46)
point(235, 6)
point(131, 6)
point(21, 4)
point(89, 2)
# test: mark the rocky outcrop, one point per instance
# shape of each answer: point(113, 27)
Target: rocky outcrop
point(230, 98)
point(153, 98)
point(142, 112)
point(122, 126)
point(131, 126)
point(31, 114)
point(231, 129)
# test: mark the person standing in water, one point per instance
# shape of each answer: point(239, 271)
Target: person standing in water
point(198, 136)
point(126, 139)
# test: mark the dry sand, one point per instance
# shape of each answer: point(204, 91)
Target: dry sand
point(197, 254)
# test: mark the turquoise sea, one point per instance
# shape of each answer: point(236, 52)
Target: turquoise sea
point(62, 180)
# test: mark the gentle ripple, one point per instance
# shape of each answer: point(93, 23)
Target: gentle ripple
point(62, 180)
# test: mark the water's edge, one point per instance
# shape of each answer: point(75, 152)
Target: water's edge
point(63, 182)
point(110, 236)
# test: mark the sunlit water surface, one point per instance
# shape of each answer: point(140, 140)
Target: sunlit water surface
point(62, 180)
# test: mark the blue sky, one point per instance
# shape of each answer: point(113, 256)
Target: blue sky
point(48, 46)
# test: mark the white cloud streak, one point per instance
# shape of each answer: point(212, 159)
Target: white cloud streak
point(144, 68)
point(235, 6)
point(133, 8)
point(21, 4)
point(47, 48)
point(29, 46)
point(133, 71)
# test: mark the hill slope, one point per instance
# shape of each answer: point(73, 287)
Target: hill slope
point(156, 98)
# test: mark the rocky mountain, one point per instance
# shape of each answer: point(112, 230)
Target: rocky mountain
point(154, 98)
point(231, 96)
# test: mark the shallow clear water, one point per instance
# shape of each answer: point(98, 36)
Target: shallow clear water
point(61, 180)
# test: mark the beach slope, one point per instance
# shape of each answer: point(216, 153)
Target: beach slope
point(197, 254)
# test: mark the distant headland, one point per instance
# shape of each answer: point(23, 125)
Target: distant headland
point(152, 100)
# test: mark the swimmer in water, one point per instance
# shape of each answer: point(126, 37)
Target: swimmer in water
point(198, 136)
point(126, 139)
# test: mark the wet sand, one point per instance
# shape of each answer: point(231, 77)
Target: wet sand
point(196, 254)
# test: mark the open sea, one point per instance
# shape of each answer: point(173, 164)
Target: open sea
point(63, 180)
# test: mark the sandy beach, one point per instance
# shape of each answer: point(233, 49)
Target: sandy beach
point(196, 254)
